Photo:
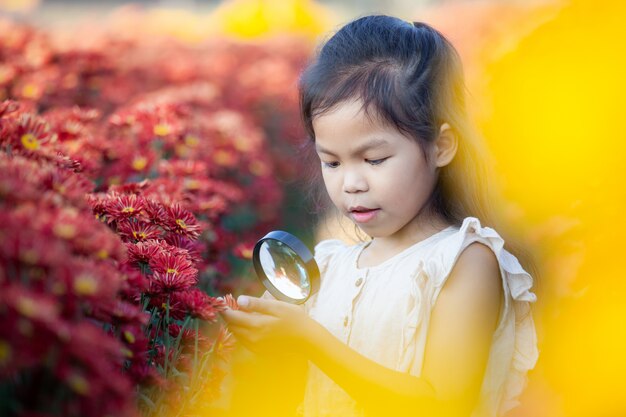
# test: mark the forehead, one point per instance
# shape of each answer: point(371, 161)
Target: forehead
point(347, 125)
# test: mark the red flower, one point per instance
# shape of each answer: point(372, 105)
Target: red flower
point(118, 311)
point(138, 230)
point(125, 206)
point(171, 272)
point(194, 248)
point(134, 284)
point(224, 343)
point(155, 211)
point(188, 334)
point(182, 221)
point(8, 107)
point(197, 303)
point(143, 252)
point(31, 132)
point(230, 302)
point(244, 250)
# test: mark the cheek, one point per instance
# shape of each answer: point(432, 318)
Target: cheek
point(409, 182)
point(330, 182)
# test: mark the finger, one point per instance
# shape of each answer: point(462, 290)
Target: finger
point(260, 305)
point(239, 318)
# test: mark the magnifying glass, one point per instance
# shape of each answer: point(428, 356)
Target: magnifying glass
point(286, 267)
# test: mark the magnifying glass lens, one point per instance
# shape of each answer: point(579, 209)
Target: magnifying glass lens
point(284, 269)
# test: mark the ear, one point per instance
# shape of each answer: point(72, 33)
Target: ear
point(445, 145)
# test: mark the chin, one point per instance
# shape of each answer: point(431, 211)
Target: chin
point(372, 232)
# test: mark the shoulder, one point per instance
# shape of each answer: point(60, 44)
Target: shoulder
point(329, 245)
point(326, 250)
point(477, 259)
point(468, 262)
point(476, 274)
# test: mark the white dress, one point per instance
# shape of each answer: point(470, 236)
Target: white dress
point(383, 312)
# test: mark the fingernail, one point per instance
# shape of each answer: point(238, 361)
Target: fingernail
point(243, 301)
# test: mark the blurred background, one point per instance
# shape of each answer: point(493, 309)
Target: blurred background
point(546, 82)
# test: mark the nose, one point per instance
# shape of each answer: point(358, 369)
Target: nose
point(354, 182)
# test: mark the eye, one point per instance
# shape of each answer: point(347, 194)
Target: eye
point(376, 161)
point(333, 164)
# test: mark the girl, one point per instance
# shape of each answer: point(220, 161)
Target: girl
point(431, 315)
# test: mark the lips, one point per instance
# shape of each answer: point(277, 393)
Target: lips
point(362, 214)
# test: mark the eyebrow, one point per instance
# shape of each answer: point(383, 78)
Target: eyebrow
point(374, 143)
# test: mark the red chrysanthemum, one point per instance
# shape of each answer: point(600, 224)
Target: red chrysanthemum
point(143, 252)
point(230, 301)
point(171, 273)
point(125, 206)
point(188, 334)
point(138, 230)
point(155, 212)
point(31, 132)
point(244, 250)
point(182, 221)
point(224, 343)
point(194, 248)
point(198, 304)
point(8, 107)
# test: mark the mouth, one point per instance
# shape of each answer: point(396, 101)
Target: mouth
point(362, 214)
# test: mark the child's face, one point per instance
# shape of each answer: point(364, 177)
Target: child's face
point(376, 176)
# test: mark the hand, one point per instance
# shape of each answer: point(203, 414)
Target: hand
point(268, 325)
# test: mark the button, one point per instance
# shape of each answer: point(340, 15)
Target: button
point(359, 282)
point(345, 321)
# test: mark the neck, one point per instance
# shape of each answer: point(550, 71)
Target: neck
point(414, 232)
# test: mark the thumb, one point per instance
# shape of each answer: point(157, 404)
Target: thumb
point(258, 305)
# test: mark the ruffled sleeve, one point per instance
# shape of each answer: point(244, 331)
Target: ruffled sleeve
point(514, 347)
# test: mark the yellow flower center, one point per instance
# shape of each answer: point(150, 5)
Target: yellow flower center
point(223, 158)
point(5, 352)
point(128, 210)
point(30, 142)
point(161, 129)
point(79, 384)
point(65, 231)
point(30, 91)
point(172, 271)
point(181, 224)
point(129, 336)
point(139, 163)
point(85, 285)
point(192, 184)
point(127, 352)
point(191, 141)
point(243, 144)
point(140, 235)
point(27, 307)
point(258, 168)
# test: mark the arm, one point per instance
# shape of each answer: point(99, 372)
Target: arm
point(456, 353)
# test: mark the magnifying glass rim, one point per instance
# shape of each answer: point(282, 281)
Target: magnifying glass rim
point(301, 250)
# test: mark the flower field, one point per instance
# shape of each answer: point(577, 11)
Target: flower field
point(134, 175)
